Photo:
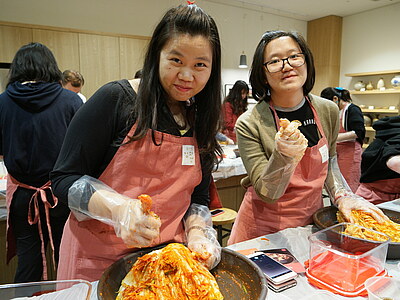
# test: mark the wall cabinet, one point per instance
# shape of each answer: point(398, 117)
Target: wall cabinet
point(100, 57)
point(64, 45)
point(11, 39)
point(376, 103)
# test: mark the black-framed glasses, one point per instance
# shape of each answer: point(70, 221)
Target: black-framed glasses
point(294, 60)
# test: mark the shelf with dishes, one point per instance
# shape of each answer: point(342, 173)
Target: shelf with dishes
point(372, 89)
point(375, 92)
point(380, 110)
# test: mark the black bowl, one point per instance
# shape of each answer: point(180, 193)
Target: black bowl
point(326, 217)
point(237, 276)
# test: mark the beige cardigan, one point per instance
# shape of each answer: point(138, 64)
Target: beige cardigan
point(256, 131)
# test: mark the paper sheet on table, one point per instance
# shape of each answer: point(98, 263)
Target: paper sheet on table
point(76, 292)
point(391, 205)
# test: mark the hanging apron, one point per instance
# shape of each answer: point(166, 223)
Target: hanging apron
point(302, 197)
point(12, 186)
point(349, 156)
point(167, 173)
point(380, 191)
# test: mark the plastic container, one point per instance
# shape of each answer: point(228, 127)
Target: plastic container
point(383, 288)
point(341, 263)
point(47, 290)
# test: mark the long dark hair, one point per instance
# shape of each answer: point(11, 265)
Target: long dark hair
point(234, 97)
point(203, 115)
point(260, 89)
point(34, 62)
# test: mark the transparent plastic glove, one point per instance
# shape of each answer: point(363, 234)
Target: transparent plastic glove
point(132, 222)
point(289, 141)
point(354, 202)
point(342, 196)
point(276, 175)
point(201, 236)
point(349, 136)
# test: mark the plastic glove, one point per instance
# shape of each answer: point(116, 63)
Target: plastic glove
point(91, 198)
point(135, 227)
point(201, 236)
point(350, 202)
point(342, 196)
point(289, 141)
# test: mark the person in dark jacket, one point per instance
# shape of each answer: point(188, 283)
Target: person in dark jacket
point(380, 164)
point(35, 112)
point(351, 135)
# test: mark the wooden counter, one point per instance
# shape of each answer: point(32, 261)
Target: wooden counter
point(231, 192)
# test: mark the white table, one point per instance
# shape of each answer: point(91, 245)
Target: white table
point(296, 240)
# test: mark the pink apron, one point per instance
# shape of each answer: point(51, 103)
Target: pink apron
point(380, 191)
point(349, 157)
point(12, 185)
point(302, 197)
point(140, 167)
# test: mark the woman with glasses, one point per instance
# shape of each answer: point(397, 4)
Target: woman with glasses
point(350, 137)
point(287, 166)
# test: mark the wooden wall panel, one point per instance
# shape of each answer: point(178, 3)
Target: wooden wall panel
point(99, 58)
point(11, 39)
point(64, 46)
point(324, 36)
point(132, 52)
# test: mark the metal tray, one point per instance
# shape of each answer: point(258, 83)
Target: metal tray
point(237, 276)
point(326, 216)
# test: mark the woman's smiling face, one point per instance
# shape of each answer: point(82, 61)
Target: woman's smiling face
point(185, 66)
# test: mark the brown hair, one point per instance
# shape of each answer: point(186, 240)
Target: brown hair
point(74, 77)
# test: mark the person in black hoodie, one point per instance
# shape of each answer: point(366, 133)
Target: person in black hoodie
point(35, 112)
point(380, 165)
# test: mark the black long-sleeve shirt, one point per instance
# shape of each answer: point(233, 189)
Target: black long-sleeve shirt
point(385, 145)
point(354, 120)
point(95, 134)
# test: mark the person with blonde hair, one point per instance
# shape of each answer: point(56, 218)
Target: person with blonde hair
point(73, 80)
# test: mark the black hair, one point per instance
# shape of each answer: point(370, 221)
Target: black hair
point(203, 115)
point(138, 74)
point(234, 97)
point(341, 93)
point(34, 62)
point(260, 89)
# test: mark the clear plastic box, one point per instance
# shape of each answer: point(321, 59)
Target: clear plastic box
point(341, 263)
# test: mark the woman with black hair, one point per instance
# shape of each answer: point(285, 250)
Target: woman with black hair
point(233, 106)
point(287, 166)
point(34, 115)
point(351, 135)
point(154, 135)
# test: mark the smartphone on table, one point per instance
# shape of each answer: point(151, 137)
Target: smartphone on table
point(216, 212)
point(275, 272)
point(283, 286)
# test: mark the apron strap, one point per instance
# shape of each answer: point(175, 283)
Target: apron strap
point(34, 217)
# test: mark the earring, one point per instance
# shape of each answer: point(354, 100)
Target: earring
point(190, 101)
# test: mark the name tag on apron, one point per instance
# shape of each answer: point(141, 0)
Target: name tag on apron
point(324, 153)
point(188, 155)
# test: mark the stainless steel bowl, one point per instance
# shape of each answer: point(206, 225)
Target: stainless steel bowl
point(237, 276)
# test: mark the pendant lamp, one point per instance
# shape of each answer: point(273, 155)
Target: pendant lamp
point(243, 61)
